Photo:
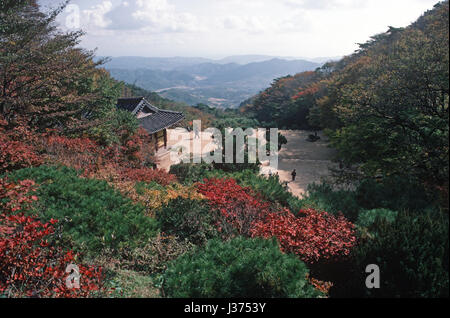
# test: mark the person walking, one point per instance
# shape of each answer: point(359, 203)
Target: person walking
point(196, 132)
point(294, 174)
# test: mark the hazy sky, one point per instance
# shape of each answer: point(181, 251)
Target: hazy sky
point(218, 28)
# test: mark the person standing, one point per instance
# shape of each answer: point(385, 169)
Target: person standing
point(196, 132)
point(294, 174)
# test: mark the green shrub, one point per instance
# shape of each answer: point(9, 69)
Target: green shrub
point(189, 173)
point(130, 284)
point(412, 254)
point(148, 258)
point(114, 123)
point(238, 268)
point(324, 197)
point(270, 188)
point(188, 219)
point(368, 217)
point(238, 167)
point(93, 214)
point(141, 187)
point(394, 193)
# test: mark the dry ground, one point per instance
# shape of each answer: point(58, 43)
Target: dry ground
point(310, 159)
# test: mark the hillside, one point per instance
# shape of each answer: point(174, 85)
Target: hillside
point(214, 83)
point(84, 213)
point(295, 96)
point(392, 93)
point(153, 63)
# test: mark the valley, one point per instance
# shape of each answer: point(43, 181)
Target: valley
point(219, 83)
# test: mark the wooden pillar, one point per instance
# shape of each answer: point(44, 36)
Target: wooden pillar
point(155, 136)
point(165, 138)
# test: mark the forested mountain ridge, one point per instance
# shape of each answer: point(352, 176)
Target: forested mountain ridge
point(214, 83)
point(171, 63)
point(385, 107)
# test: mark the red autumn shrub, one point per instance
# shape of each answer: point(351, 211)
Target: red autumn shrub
point(79, 153)
point(138, 147)
point(15, 154)
point(88, 155)
point(16, 197)
point(15, 151)
point(30, 266)
point(239, 206)
point(147, 175)
point(58, 143)
point(312, 235)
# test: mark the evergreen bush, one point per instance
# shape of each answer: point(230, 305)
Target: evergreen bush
point(394, 193)
point(412, 254)
point(368, 217)
point(238, 268)
point(324, 198)
point(93, 214)
point(189, 173)
point(188, 219)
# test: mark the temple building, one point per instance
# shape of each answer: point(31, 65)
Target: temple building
point(156, 121)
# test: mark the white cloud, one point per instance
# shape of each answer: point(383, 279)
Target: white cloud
point(143, 15)
point(95, 16)
point(325, 4)
point(225, 27)
point(250, 24)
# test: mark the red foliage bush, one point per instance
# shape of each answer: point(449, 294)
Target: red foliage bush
point(16, 155)
point(57, 143)
point(31, 267)
point(314, 236)
point(138, 147)
point(19, 149)
point(87, 155)
point(147, 174)
point(239, 206)
point(79, 153)
point(16, 151)
point(16, 197)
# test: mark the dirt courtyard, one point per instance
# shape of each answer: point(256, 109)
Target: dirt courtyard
point(310, 159)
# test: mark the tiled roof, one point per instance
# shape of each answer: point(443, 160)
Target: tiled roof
point(129, 103)
point(157, 121)
point(160, 120)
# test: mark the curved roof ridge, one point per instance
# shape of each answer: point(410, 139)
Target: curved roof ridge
point(159, 120)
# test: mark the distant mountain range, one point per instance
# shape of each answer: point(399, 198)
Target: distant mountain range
point(221, 83)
